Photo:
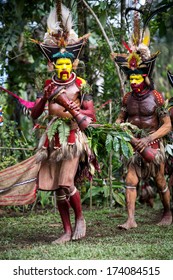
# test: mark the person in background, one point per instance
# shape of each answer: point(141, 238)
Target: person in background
point(144, 107)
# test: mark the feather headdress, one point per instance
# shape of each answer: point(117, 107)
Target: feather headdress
point(60, 29)
point(139, 60)
point(60, 35)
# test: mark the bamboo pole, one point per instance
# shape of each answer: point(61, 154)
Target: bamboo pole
point(91, 200)
point(110, 158)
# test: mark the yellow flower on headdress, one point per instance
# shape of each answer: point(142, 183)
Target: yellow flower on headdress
point(134, 60)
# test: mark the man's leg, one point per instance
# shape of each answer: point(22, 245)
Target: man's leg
point(147, 194)
point(80, 225)
point(66, 180)
point(63, 207)
point(165, 197)
point(131, 194)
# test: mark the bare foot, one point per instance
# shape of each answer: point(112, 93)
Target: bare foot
point(80, 229)
point(65, 237)
point(166, 219)
point(127, 225)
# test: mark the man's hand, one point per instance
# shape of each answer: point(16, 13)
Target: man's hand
point(73, 106)
point(47, 91)
point(142, 143)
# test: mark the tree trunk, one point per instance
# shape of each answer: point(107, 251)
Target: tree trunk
point(82, 30)
point(123, 7)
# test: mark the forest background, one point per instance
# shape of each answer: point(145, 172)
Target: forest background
point(23, 71)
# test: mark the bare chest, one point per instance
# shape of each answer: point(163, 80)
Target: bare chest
point(143, 108)
point(73, 94)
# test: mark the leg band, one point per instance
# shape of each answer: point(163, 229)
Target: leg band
point(165, 190)
point(61, 197)
point(73, 192)
point(130, 187)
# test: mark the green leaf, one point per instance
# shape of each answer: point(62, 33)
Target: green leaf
point(106, 191)
point(94, 191)
point(95, 149)
point(119, 198)
point(64, 131)
point(108, 143)
point(62, 128)
point(125, 148)
point(131, 150)
point(116, 144)
point(53, 129)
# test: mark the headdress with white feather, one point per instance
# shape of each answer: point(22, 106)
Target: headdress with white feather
point(60, 35)
point(60, 27)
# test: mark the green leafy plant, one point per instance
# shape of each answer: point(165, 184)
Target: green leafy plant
point(108, 137)
point(14, 147)
point(100, 192)
point(86, 89)
point(61, 127)
point(45, 199)
point(111, 144)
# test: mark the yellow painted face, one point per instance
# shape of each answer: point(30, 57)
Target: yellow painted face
point(136, 79)
point(63, 67)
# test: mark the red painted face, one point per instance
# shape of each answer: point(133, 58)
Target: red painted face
point(137, 83)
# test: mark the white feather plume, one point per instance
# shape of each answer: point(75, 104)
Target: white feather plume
point(52, 21)
point(55, 27)
point(66, 18)
point(52, 24)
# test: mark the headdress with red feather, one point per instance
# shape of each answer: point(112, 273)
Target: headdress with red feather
point(139, 60)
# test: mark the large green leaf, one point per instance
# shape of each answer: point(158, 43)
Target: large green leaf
point(53, 129)
point(116, 144)
point(125, 149)
point(119, 198)
point(94, 191)
point(64, 131)
point(61, 127)
point(108, 143)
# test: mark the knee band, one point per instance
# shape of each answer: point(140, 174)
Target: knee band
point(164, 190)
point(130, 187)
point(73, 192)
point(61, 197)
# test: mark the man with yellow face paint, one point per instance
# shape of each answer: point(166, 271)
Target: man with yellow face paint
point(63, 68)
point(70, 104)
point(144, 108)
point(137, 82)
